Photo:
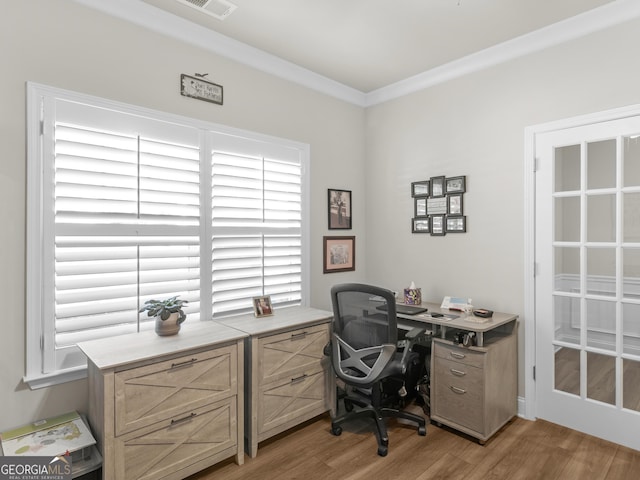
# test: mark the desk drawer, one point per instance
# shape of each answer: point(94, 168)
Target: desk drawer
point(459, 354)
point(458, 393)
point(162, 390)
point(174, 444)
point(285, 355)
point(287, 400)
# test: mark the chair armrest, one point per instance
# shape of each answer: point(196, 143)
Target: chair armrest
point(407, 343)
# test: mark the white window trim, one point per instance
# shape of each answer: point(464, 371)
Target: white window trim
point(36, 334)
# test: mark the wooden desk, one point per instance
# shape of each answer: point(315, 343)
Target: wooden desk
point(473, 389)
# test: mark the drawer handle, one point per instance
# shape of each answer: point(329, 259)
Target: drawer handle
point(458, 373)
point(457, 355)
point(457, 390)
point(184, 419)
point(298, 336)
point(299, 379)
point(184, 364)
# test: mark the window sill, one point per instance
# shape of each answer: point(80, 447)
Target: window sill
point(43, 381)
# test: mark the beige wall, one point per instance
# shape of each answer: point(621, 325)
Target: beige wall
point(474, 126)
point(63, 44)
point(471, 126)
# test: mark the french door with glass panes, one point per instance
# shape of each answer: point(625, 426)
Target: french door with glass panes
point(588, 279)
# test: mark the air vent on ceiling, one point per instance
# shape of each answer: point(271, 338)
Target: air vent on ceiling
point(219, 9)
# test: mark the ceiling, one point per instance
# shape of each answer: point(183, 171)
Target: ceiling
point(362, 48)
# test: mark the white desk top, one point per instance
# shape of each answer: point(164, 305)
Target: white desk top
point(464, 321)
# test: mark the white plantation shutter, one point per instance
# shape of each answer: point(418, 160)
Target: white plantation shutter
point(126, 204)
point(257, 224)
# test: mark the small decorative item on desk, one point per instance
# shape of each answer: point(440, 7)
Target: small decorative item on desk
point(169, 314)
point(412, 295)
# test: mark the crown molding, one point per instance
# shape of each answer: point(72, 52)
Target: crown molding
point(572, 28)
point(155, 19)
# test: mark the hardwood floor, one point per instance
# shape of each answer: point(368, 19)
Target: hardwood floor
point(521, 450)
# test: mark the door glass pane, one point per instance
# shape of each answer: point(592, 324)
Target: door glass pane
point(567, 269)
point(631, 161)
point(567, 319)
point(631, 273)
point(631, 328)
point(567, 370)
point(601, 218)
point(601, 271)
point(601, 164)
point(567, 172)
point(631, 384)
point(631, 209)
point(567, 219)
point(601, 324)
point(601, 378)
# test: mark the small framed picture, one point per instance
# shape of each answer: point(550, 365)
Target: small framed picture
point(420, 189)
point(437, 186)
point(420, 206)
point(339, 209)
point(457, 224)
point(420, 225)
point(262, 306)
point(455, 185)
point(437, 225)
point(454, 204)
point(339, 254)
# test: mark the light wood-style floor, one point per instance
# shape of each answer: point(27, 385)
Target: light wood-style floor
point(521, 450)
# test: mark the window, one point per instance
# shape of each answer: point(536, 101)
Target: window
point(127, 204)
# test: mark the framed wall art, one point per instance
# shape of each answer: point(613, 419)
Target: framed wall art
point(420, 189)
point(454, 204)
point(420, 225)
point(437, 225)
point(455, 185)
point(437, 186)
point(339, 209)
point(456, 224)
point(339, 254)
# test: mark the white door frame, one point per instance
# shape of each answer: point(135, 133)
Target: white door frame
point(530, 406)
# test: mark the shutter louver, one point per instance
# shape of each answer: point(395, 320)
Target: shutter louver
point(125, 209)
point(257, 234)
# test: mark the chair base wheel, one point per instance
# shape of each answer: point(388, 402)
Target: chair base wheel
point(422, 431)
point(337, 430)
point(383, 450)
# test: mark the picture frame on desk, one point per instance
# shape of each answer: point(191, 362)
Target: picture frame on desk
point(339, 209)
point(339, 254)
point(262, 306)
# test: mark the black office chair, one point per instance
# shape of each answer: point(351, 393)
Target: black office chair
point(367, 357)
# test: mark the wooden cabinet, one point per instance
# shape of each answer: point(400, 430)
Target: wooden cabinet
point(288, 378)
point(167, 407)
point(474, 389)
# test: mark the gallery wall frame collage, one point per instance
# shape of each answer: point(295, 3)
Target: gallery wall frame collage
point(339, 252)
point(438, 206)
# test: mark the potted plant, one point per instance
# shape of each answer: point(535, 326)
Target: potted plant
point(169, 314)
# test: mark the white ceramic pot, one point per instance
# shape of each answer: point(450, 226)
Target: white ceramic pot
point(170, 326)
